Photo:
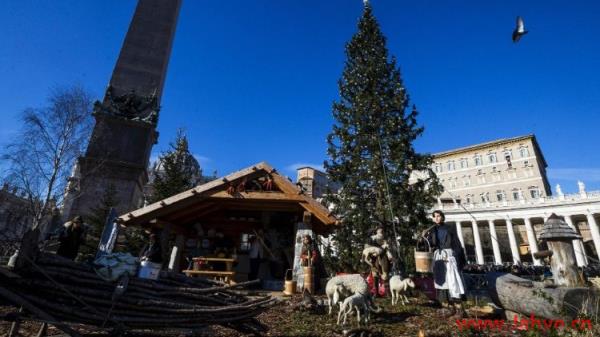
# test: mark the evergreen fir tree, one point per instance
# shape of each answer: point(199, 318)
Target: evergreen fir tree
point(371, 152)
point(96, 220)
point(178, 170)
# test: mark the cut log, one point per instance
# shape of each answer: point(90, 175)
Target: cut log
point(9, 295)
point(534, 298)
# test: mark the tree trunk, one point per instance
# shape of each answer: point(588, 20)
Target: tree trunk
point(532, 298)
point(29, 248)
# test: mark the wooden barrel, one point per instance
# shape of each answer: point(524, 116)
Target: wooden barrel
point(423, 262)
point(289, 287)
point(308, 279)
point(424, 259)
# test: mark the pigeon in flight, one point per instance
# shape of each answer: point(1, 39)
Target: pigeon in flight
point(519, 30)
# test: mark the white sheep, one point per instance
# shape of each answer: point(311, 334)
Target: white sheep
point(342, 286)
point(398, 288)
point(357, 302)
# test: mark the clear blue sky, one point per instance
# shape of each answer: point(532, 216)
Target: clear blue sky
point(254, 80)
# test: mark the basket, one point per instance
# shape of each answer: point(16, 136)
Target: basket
point(424, 260)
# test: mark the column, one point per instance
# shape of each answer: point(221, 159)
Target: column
point(577, 244)
point(477, 239)
point(460, 234)
point(513, 241)
point(460, 237)
point(495, 245)
point(533, 248)
point(594, 230)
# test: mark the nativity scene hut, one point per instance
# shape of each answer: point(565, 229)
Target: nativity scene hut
point(210, 230)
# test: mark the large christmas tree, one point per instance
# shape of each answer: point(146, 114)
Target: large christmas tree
point(372, 155)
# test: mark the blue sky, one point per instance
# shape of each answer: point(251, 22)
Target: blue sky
point(254, 80)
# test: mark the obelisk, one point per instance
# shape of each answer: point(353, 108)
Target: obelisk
point(119, 149)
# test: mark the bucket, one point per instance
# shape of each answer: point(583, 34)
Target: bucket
point(424, 260)
point(149, 270)
point(289, 287)
point(308, 279)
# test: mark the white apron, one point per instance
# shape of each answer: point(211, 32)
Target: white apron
point(452, 281)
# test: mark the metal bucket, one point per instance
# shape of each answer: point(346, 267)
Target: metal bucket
point(149, 270)
point(424, 260)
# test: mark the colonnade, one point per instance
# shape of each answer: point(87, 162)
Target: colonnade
point(491, 222)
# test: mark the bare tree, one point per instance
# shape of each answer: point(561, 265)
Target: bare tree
point(40, 157)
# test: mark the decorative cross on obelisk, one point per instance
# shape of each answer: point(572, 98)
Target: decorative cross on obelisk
point(125, 131)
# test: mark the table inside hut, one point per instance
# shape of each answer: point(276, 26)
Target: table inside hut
point(208, 267)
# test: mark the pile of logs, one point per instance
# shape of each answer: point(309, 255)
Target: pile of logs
point(54, 289)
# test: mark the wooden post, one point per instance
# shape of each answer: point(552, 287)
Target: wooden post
point(14, 327)
point(564, 264)
point(164, 244)
point(174, 263)
point(559, 237)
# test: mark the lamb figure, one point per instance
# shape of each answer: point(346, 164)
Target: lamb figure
point(356, 302)
point(342, 286)
point(398, 288)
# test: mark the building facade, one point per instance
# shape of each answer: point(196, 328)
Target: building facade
point(512, 169)
point(507, 231)
point(498, 197)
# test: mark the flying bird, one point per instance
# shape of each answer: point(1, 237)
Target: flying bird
point(519, 30)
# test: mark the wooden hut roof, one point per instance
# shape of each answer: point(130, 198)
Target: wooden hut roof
point(556, 228)
point(208, 197)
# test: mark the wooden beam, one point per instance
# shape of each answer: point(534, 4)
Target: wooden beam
point(308, 203)
point(266, 196)
point(188, 197)
point(175, 216)
point(190, 217)
point(253, 206)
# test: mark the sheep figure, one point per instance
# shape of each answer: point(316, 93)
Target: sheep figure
point(398, 288)
point(342, 286)
point(355, 302)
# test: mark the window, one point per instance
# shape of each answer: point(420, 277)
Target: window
point(477, 159)
point(494, 169)
point(526, 163)
point(516, 195)
point(482, 195)
point(534, 192)
point(466, 180)
point(437, 168)
point(464, 163)
point(508, 158)
point(481, 178)
point(245, 242)
point(451, 165)
point(492, 157)
point(469, 199)
point(523, 151)
point(453, 182)
point(500, 195)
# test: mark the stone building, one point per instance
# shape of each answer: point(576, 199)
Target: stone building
point(15, 217)
point(511, 169)
point(498, 197)
point(314, 182)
